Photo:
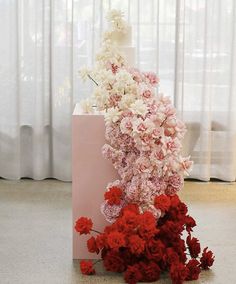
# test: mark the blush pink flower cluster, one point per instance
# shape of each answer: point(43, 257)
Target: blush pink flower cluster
point(144, 145)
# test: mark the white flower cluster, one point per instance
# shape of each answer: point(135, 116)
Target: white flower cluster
point(108, 60)
point(116, 20)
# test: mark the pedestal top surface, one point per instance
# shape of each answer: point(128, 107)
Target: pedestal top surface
point(78, 111)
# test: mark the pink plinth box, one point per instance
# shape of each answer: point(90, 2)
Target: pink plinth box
point(90, 175)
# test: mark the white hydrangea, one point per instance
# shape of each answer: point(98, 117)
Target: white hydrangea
point(112, 115)
point(138, 107)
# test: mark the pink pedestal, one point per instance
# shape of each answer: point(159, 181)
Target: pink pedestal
point(90, 175)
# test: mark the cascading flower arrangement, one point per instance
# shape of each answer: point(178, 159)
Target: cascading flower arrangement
point(143, 137)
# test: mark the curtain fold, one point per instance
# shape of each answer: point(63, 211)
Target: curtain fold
point(190, 44)
point(206, 90)
point(36, 89)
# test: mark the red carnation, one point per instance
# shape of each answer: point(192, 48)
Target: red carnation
point(128, 222)
point(180, 248)
point(113, 262)
point(194, 246)
point(92, 245)
point(100, 241)
point(147, 225)
point(133, 274)
point(171, 230)
point(194, 269)
point(116, 240)
point(110, 228)
point(178, 273)
point(129, 216)
point(190, 223)
point(174, 199)
point(151, 271)
point(86, 267)
point(155, 250)
point(130, 207)
point(113, 196)
point(207, 259)
point(136, 244)
point(162, 202)
point(171, 256)
point(173, 214)
point(83, 225)
point(182, 208)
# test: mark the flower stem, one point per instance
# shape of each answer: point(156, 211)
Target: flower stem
point(96, 231)
point(92, 79)
point(163, 122)
point(99, 260)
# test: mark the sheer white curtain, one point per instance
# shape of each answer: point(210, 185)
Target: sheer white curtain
point(36, 88)
point(205, 87)
point(189, 43)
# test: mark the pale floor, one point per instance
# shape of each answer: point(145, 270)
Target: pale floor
point(35, 232)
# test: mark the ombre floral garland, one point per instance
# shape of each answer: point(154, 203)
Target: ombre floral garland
point(144, 141)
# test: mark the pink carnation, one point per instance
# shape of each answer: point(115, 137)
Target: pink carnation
point(111, 212)
point(175, 183)
point(152, 78)
point(132, 193)
point(126, 125)
point(143, 165)
point(147, 94)
point(136, 74)
point(171, 190)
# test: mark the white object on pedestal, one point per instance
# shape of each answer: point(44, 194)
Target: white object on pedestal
point(124, 43)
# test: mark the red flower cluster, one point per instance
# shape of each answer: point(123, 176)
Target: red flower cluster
point(162, 202)
point(113, 195)
point(141, 247)
point(83, 225)
point(86, 267)
point(207, 259)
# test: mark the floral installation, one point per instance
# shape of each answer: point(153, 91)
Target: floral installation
point(144, 140)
